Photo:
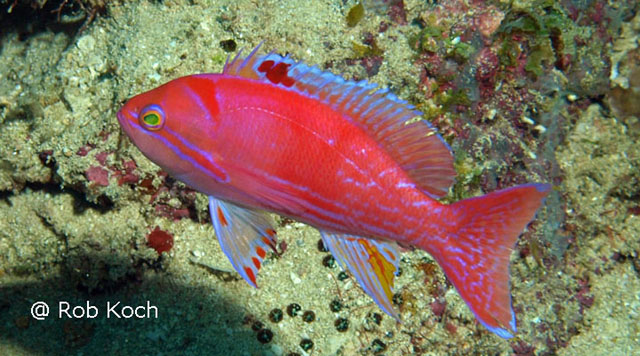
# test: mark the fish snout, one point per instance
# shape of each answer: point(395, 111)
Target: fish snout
point(125, 119)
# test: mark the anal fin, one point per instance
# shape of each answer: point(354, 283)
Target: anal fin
point(244, 236)
point(373, 263)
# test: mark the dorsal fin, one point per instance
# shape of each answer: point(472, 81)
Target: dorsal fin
point(416, 146)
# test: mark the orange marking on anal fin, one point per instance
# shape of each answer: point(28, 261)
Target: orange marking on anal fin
point(221, 217)
point(256, 262)
point(390, 254)
point(381, 267)
point(261, 252)
point(366, 259)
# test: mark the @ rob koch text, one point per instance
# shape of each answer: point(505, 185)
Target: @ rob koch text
point(115, 310)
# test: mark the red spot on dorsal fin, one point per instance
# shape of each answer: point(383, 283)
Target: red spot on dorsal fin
point(279, 74)
point(265, 66)
point(276, 73)
point(255, 67)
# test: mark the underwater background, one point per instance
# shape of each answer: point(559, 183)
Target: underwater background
point(524, 91)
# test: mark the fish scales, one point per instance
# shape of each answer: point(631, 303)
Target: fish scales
point(269, 134)
point(319, 159)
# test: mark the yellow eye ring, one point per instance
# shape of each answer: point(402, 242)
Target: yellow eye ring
point(152, 117)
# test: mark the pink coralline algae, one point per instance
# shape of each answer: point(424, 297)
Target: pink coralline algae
point(102, 158)
point(98, 176)
point(397, 12)
point(584, 296)
point(167, 211)
point(487, 65)
point(488, 21)
point(438, 307)
point(160, 240)
point(126, 175)
point(84, 150)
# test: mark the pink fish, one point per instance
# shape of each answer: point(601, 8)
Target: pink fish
point(272, 135)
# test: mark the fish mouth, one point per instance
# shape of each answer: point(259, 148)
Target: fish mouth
point(121, 119)
point(124, 118)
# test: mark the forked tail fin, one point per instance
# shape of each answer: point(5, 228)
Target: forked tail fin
point(476, 256)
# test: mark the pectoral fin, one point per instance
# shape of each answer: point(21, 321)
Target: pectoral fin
point(244, 236)
point(373, 263)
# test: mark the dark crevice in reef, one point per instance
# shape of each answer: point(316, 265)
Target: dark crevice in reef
point(103, 204)
point(28, 18)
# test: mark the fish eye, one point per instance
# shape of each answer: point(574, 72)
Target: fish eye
point(152, 117)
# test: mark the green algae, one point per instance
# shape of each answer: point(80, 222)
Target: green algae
point(364, 51)
point(355, 14)
point(427, 39)
point(542, 22)
point(432, 39)
point(450, 98)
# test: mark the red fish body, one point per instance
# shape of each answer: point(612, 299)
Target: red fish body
point(270, 134)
